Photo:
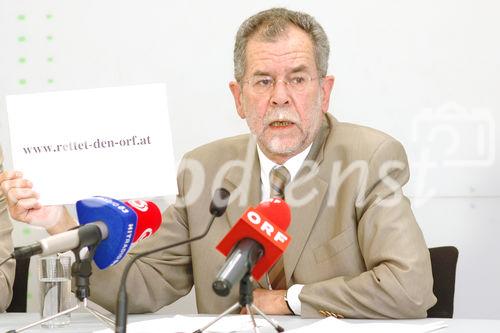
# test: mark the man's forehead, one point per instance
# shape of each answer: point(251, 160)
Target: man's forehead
point(267, 62)
point(265, 71)
point(290, 52)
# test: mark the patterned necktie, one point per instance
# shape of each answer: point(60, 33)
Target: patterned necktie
point(279, 177)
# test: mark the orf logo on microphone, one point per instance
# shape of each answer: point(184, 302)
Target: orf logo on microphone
point(267, 228)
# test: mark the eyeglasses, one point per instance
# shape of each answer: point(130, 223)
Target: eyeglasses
point(263, 84)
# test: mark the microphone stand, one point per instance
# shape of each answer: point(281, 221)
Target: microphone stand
point(81, 270)
point(217, 208)
point(245, 301)
point(122, 306)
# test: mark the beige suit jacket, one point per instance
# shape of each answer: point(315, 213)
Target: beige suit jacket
point(355, 256)
point(7, 271)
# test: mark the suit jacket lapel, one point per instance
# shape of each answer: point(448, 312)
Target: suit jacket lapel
point(243, 182)
point(308, 181)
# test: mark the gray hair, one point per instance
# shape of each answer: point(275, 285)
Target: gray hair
point(273, 23)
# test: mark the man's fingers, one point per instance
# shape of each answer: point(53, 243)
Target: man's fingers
point(21, 209)
point(27, 204)
point(7, 175)
point(10, 175)
point(16, 194)
point(15, 190)
point(9, 185)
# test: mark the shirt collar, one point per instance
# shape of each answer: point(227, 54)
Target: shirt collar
point(293, 165)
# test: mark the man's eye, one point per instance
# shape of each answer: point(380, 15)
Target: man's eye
point(264, 82)
point(298, 80)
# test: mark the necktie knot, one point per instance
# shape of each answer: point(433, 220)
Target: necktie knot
point(279, 177)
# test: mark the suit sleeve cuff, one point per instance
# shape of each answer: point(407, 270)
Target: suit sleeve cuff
point(292, 295)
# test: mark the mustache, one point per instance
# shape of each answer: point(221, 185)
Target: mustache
point(281, 114)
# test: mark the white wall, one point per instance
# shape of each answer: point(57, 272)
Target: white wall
point(427, 72)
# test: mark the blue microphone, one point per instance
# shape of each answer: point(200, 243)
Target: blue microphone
point(108, 223)
point(120, 222)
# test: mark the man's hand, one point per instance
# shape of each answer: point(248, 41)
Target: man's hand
point(271, 302)
point(23, 205)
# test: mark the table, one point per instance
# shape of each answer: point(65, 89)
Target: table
point(84, 322)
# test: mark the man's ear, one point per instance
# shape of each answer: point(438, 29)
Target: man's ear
point(326, 86)
point(236, 91)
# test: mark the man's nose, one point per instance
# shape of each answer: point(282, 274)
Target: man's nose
point(280, 94)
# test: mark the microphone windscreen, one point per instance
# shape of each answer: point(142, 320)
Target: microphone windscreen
point(219, 202)
point(277, 211)
point(121, 222)
point(148, 218)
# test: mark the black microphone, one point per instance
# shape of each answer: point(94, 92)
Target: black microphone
point(85, 235)
point(217, 208)
point(241, 260)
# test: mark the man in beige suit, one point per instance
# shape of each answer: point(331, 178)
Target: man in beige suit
point(356, 249)
point(7, 270)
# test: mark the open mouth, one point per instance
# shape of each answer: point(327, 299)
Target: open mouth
point(281, 124)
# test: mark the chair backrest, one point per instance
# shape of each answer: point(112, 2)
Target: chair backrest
point(444, 266)
point(20, 288)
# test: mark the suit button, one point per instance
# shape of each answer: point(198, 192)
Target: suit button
point(339, 316)
point(322, 312)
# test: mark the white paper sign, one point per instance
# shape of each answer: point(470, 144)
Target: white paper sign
point(371, 326)
point(75, 144)
point(178, 323)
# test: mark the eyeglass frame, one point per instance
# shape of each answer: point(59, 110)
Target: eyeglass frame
point(285, 81)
